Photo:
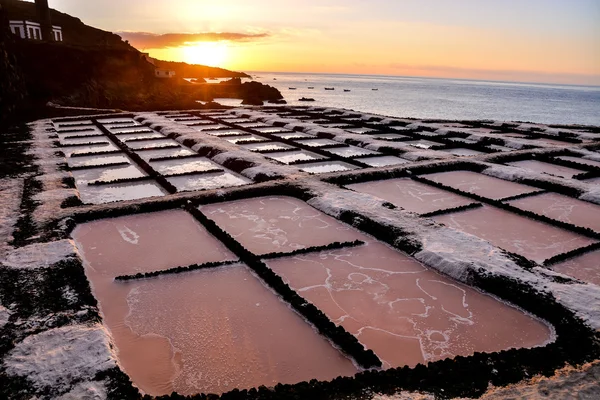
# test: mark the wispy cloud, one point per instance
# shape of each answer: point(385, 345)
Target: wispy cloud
point(146, 40)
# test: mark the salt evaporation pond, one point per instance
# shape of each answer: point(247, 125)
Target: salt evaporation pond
point(531, 239)
point(463, 152)
point(325, 167)
point(404, 312)
point(205, 331)
point(69, 151)
point(351, 151)
point(277, 224)
point(394, 305)
point(580, 160)
point(562, 208)
point(184, 166)
point(383, 161)
point(287, 157)
point(107, 174)
point(161, 153)
point(95, 161)
point(480, 184)
point(585, 267)
point(119, 192)
point(208, 181)
point(546, 168)
point(411, 195)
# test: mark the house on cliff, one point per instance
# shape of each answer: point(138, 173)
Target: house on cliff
point(164, 73)
point(33, 30)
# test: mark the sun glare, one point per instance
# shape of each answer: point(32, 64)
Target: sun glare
point(213, 54)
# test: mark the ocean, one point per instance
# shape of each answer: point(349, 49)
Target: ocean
point(453, 99)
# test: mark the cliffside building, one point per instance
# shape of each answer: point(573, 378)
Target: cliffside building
point(33, 30)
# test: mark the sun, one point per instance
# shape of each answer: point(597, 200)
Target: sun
point(213, 54)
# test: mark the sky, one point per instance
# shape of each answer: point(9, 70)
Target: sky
point(554, 41)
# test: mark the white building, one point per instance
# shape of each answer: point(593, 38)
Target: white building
point(33, 30)
point(164, 73)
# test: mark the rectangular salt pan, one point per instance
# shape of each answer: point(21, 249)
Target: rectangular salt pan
point(462, 152)
point(351, 151)
point(107, 174)
point(411, 195)
point(326, 167)
point(316, 142)
point(480, 184)
point(151, 144)
point(136, 136)
point(404, 312)
point(383, 161)
point(160, 153)
point(277, 224)
point(293, 135)
point(580, 160)
point(245, 138)
point(207, 181)
point(423, 144)
point(94, 148)
point(531, 239)
point(119, 192)
point(83, 140)
point(292, 156)
point(93, 161)
point(546, 168)
point(227, 132)
point(585, 268)
point(183, 166)
point(267, 146)
point(562, 208)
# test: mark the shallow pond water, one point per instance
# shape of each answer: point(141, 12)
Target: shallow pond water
point(404, 312)
point(411, 195)
point(293, 135)
point(119, 192)
point(292, 156)
point(160, 153)
point(562, 208)
point(480, 184)
point(181, 166)
point(423, 144)
point(585, 267)
point(463, 152)
point(317, 142)
point(546, 168)
point(215, 180)
point(125, 137)
point(531, 239)
point(82, 140)
point(151, 144)
point(227, 132)
point(94, 148)
point(389, 136)
point(383, 161)
point(107, 174)
point(205, 331)
point(283, 224)
point(245, 138)
point(325, 167)
point(267, 146)
point(351, 151)
point(580, 160)
point(92, 161)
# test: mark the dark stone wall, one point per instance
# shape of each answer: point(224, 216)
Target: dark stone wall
point(12, 85)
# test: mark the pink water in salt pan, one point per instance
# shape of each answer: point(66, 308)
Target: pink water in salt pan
point(480, 184)
point(585, 267)
point(277, 224)
point(546, 168)
point(406, 313)
point(412, 195)
point(534, 240)
point(395, 306)
point(205, 331)
point(562, 208)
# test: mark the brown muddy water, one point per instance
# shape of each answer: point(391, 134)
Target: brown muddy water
point(531, 239)
point(403, 311)
point(411, 195)
point(585, 268)
point(205, 331)
point(480, 184)
point(562, 208)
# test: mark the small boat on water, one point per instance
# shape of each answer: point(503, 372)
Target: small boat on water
point(306, 99)
point(311, 87)
point(292, 88)
point(346, 90)
point(329, 88)
point(374, 89)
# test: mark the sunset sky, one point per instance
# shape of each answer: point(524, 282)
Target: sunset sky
point(522, 40)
